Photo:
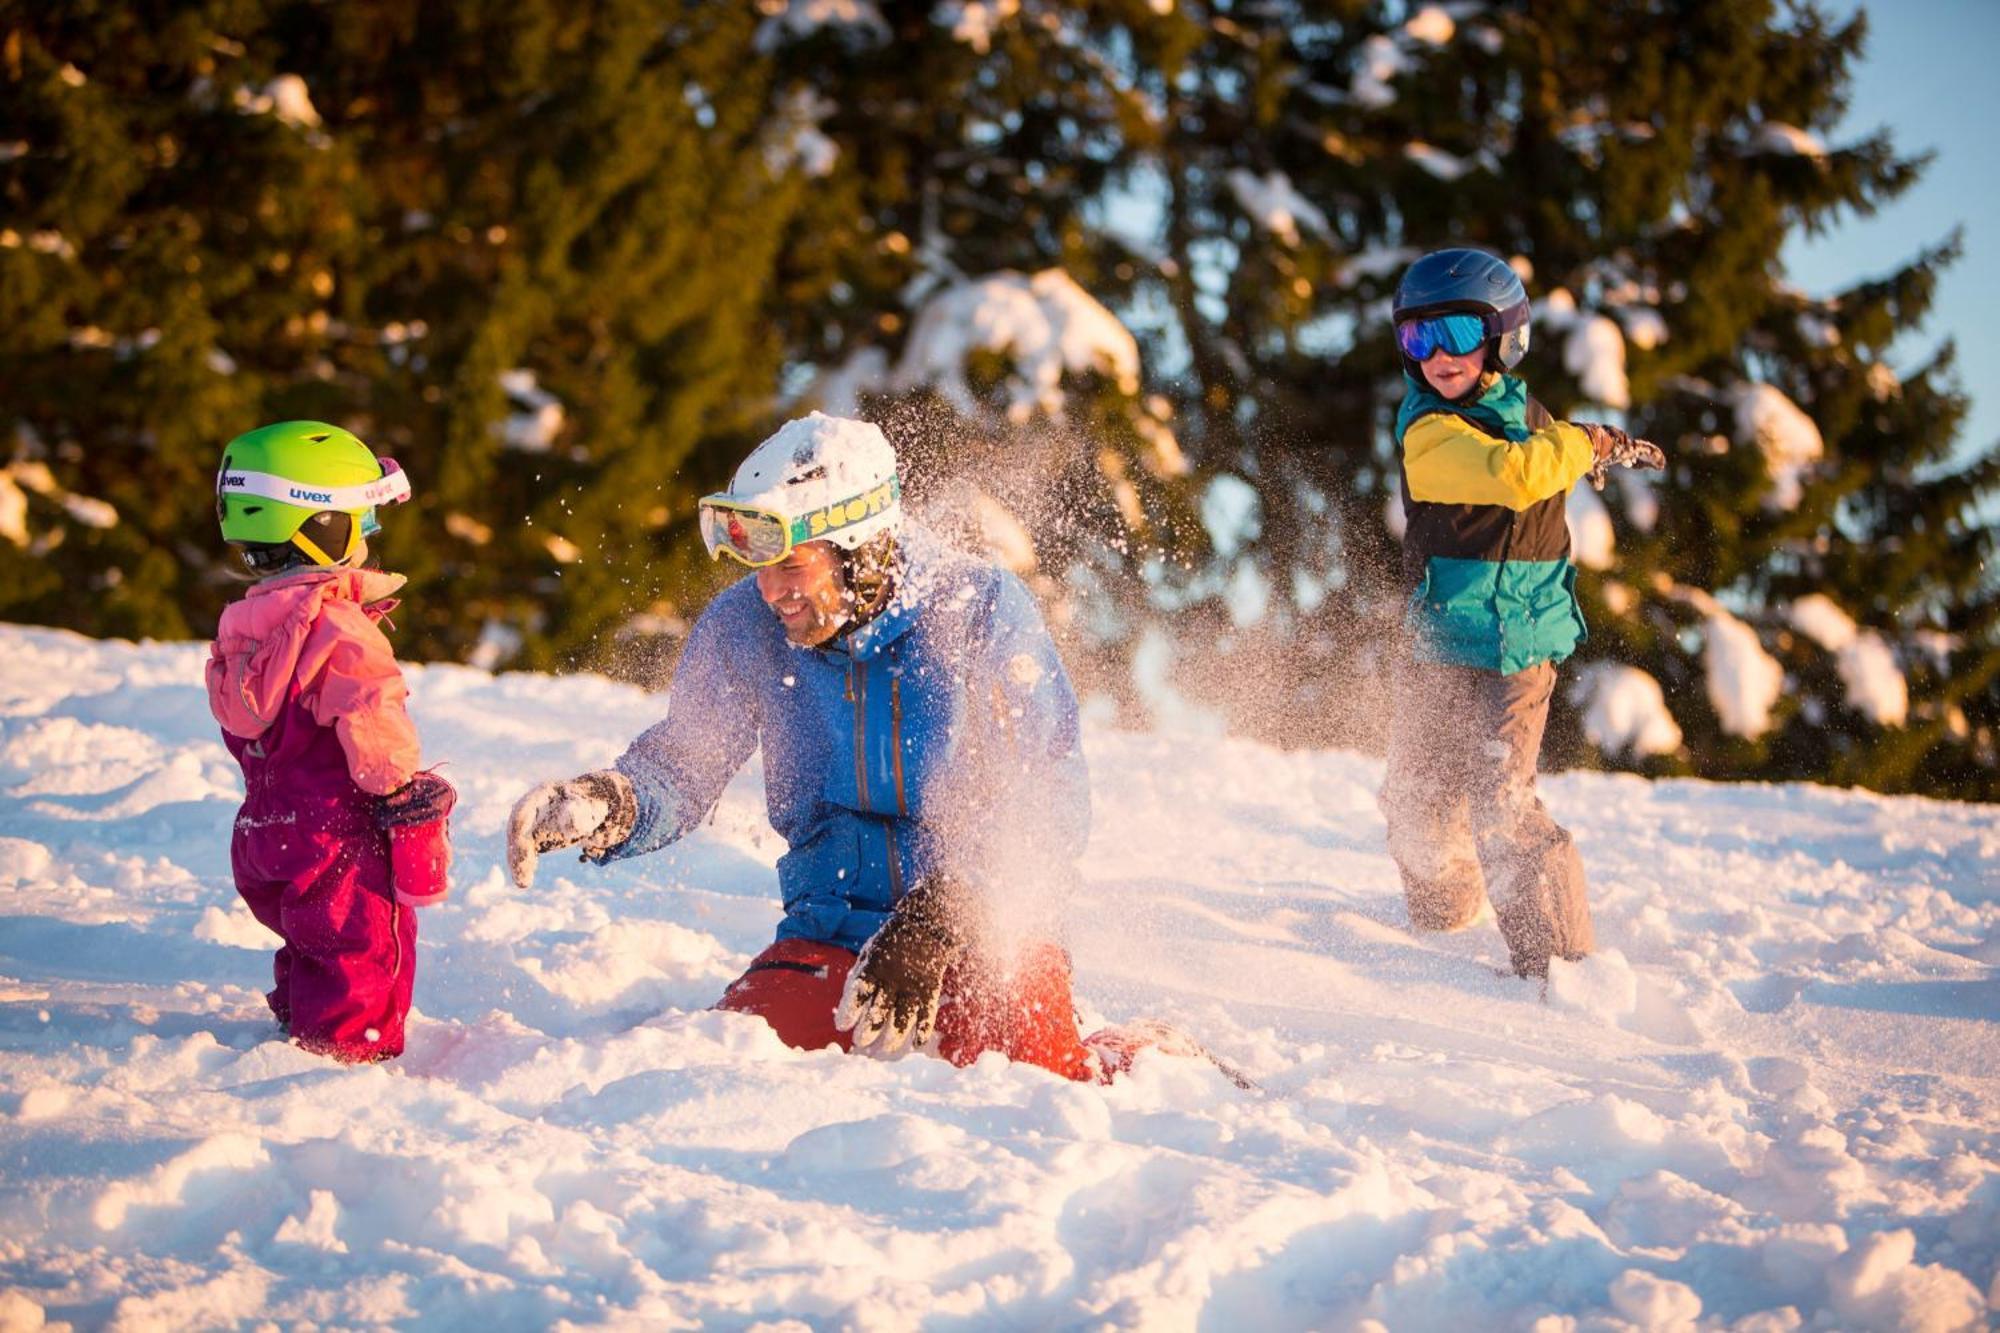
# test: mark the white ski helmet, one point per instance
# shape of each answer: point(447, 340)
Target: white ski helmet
point(819, 478)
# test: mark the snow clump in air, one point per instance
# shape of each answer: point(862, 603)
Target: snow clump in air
point(1046, 324)
point(1274, 204)
point(1789, 439)
point(1876, 686)
point(1004, 535)
point(1624, 711)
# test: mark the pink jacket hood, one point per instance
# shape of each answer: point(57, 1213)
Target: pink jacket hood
point(318, 628)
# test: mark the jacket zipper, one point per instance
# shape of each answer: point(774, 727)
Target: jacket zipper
point(857, 692)
point(896, 740)
point(896, 763)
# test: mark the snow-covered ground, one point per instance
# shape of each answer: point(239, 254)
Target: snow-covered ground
point(1772, 1101)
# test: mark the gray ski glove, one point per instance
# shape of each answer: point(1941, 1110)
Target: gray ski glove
point(890, 1001)
point(597, 810)
point(1614, 448)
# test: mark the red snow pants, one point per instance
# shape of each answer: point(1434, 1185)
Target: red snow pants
point(314, 867)
point(1027, 1016)
point(348, 962)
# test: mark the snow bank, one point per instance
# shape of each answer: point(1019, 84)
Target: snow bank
point(1767, 1102)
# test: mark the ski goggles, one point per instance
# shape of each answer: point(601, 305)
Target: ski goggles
point(754, 536)
point(1459, 334)
point(392, 487)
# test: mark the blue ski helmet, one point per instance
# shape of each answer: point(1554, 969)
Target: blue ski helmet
point(1469, 282)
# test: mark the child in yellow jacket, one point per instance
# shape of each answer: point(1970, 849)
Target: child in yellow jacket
point(1492, 611)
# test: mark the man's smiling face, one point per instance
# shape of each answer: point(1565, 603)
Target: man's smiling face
point(808, 593)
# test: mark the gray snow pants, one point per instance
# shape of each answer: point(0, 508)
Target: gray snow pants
point(1464, 819)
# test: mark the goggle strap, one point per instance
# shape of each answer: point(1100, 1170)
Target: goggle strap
point(392, 487)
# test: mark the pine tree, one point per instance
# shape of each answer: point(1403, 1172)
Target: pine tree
point(1647, 188)
point(172, 220)
point(372, 214)
point(569, 262)
point(979, 148)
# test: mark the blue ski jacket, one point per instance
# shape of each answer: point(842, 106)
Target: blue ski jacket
point(941, 736)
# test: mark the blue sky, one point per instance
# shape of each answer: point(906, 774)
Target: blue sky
point(1928, 75)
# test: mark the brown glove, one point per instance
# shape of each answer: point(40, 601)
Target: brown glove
point(890, 1001)
point(1614, 448)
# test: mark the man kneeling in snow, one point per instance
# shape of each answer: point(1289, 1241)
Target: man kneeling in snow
point(921, 761)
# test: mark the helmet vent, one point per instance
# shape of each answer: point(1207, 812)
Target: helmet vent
point(319, 439)
point(813, 474)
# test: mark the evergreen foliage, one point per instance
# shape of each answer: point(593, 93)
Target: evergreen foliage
point(568, 261)
point(453, 194)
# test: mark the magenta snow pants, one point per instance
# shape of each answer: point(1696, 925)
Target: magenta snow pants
point(314, 867)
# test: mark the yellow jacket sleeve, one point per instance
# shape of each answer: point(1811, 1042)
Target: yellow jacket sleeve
point(1448, 460)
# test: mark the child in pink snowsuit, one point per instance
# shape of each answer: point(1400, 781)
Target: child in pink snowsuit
point(340, 835)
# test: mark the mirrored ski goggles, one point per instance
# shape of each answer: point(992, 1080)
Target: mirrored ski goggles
point(756, 537)
point(392, 487)
point(1459, 334)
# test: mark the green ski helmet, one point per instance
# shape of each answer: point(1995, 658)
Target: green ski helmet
point(302, 488)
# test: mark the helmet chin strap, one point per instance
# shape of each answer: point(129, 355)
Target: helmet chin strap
point(869, 573)
point(319, 556)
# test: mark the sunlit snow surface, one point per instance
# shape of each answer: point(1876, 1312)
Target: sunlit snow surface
point(1771, 1101)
